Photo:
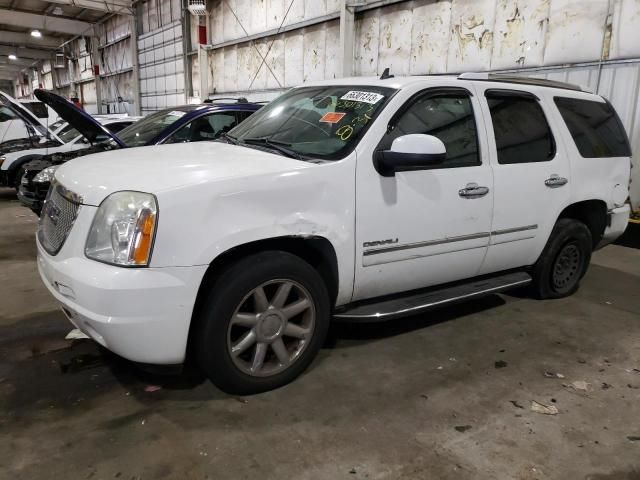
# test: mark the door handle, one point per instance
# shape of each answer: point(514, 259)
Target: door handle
point(555, 181)
point(473, 190)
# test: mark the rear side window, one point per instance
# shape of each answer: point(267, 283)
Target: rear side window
point(595, 127)
point(520, 127)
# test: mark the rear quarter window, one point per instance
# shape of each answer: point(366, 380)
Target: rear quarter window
point(595, 127)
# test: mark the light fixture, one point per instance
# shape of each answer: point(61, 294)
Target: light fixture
point(57, 11)
point(12, 57)
point(36, 33)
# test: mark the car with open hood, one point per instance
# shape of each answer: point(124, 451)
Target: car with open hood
point(21, 128)
point(81, 131)
point(183, 124)
point(355, 199)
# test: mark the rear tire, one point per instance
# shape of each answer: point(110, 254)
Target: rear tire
point(262, 323)
point(564, 260)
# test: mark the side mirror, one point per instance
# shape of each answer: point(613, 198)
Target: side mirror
point(410, 152)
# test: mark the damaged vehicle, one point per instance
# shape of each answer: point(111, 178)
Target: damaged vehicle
point(189, 123)
point(362, 199)
point(80, 131)
point(20, 128)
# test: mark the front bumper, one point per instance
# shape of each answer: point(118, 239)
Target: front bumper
point(142, 314)
point(617, 222)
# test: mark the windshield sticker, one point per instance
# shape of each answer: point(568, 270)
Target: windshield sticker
point(176, 113)
point(332, 117)
point(366, 97)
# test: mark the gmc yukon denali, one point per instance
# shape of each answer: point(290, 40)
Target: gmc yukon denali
point(357, 199)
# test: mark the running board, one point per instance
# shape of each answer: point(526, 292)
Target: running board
point(423, 301)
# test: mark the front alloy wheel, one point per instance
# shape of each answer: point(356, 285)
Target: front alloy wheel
point(262, 322)
point(271, 328)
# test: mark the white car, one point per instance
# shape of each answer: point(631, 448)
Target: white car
point(21, 127)
point(358, 199)
point(71, 139)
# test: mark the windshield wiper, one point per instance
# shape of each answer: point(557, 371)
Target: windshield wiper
point(281, 147)
point(228, 138)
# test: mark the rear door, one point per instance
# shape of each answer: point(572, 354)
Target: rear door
point(532, 177)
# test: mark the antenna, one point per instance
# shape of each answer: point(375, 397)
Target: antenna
point(386, 74)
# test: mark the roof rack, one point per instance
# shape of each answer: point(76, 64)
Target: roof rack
point(233, 99)
point(538, 82)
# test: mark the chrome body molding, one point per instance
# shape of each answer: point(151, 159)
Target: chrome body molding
point(461, 238)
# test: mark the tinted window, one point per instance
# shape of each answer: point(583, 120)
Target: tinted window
point(208, 127)
point(595, 127)
point(39, 109)
point(116, 127)
point(446, 116)
point(147, 129)
point(521, 130)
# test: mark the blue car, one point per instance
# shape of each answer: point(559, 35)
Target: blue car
point(188, 123)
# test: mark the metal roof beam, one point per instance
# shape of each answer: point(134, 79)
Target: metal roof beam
point(67, 26)
point(32, 53)
point(18, 38)
point(111, 6)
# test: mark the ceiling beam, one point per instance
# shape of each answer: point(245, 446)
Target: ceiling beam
point(47, 23)
point(32, 53)
point(111, 6)
point(19, 38)
point(19, 62)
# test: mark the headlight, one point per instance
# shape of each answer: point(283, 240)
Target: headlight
point(46, 175)
point(123, 229)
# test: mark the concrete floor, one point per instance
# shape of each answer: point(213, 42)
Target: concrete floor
point(421, 398)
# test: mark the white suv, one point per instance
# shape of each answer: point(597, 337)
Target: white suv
point(358, 199)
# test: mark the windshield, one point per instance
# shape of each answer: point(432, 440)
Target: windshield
point(68, 133)
point(57, 124)
point(145, 130)
point(8, 113)
point(319, 122)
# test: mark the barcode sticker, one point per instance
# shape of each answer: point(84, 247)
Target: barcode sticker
point(365, 97)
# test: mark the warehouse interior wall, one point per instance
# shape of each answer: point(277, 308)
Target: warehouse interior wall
point(164, 56)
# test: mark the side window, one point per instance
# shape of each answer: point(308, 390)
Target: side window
point(595, 127)
point(208, 127)
point(521, 130)
point(448, 116)
point(116, 127)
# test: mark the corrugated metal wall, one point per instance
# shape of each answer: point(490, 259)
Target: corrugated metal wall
point(116, 75)
point(161, 55)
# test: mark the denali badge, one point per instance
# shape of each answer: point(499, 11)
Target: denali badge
point(378, 243)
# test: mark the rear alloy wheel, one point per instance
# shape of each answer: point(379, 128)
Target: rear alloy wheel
point(564, 260)
point(262, 323)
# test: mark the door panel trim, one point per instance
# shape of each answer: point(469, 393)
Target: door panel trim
point(514, 230)
point(428, 243)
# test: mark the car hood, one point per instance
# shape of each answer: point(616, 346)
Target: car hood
point(156, 169)
point(26, 115)
point(78, 118)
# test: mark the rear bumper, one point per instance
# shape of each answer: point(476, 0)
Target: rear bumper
point(617, 222)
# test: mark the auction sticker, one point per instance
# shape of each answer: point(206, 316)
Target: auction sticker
point(332, 117)
point(366, 97)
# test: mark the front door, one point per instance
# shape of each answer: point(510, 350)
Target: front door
point(421, 228)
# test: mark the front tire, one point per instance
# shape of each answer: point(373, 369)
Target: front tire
point(564, 260)
point(262, 323)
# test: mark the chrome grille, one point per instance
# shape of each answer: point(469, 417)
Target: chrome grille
point(60, 211)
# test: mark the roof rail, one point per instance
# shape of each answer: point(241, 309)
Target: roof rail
point(538, 82)
point(233, 99)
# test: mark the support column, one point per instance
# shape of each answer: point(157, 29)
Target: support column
point(347, 26)
point(135, 62)
point(97, 69)
point(203, 65)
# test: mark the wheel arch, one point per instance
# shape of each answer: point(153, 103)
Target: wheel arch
point(593, 213)
point(318, 251)
point(19, 162)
